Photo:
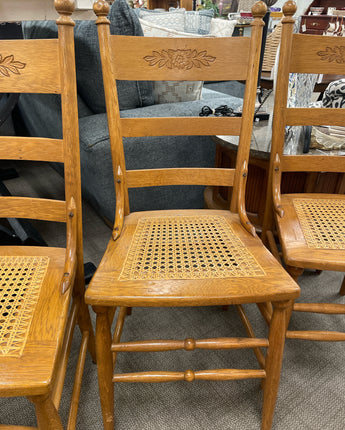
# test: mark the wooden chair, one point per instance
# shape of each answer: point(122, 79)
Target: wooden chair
point(310, 226)
point(184, 257)
point(42, 288)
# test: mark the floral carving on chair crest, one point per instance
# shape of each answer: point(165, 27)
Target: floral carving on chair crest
point(9, 65)
point(183, 59)
point(336, 54)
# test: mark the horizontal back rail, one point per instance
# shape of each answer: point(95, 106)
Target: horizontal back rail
point(317, 54)
point(30, 66)
point(315, 116)
point(184, 176)
point(31, 148)
point(180, 126)
point(312, 163)
point(33, 208)
point(180, 58)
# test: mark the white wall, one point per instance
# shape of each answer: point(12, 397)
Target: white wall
point(20, 10)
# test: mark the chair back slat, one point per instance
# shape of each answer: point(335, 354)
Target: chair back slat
point(311, 163)
point(301, 54)
point(32, 208)
point(30, 66)
point(179, 59)
point(186, 176)
point(180, 126)
point(317, 54)
point(40, 66)
point(33, 149)
point(315, 116)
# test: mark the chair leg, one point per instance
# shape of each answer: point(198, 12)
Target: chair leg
point(294, 272)
point(46, 413)
point(105, 366)
point(85, 324)
point(274, 361)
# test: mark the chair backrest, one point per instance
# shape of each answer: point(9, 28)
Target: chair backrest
point(178, 59)
point(46, 66)
point(307, 54)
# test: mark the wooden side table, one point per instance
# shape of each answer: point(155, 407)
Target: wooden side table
point(293, 182)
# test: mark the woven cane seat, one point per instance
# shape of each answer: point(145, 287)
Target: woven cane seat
point(21, 279)
point(187, 247)
point(322, 222)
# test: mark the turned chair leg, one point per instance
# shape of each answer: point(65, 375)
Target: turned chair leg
point(294, 272)
point(274, 361)
point(85, 324)
point(46, 413)
point(105, 366)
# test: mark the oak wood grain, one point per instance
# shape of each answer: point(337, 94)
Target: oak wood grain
point(152, 59)
point(35, 149)
point(38, 370)
point(30, 65)
point(303, 236)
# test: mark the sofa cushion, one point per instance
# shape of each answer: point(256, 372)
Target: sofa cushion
point(132, 94)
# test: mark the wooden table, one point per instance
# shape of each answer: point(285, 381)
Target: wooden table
point(293, 182)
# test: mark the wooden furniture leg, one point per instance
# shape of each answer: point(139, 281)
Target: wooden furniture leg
point(46, 413)
point(105, 366)
point(274, 361)
point(294, 272)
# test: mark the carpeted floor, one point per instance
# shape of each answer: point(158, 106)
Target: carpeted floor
point(312, 389)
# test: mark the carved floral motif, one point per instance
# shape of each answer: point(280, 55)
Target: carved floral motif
point(9, 65)
point(336, 54)
point(183, 59)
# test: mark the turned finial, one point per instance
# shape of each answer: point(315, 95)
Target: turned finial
point(65, 8)
point(101, 9)
point(259, 9)
point(289, 8)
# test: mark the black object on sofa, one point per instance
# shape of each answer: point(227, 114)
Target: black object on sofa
point(136, 99)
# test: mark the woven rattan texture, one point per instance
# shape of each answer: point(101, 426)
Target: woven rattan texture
point(322, 222)
point(20, 284)
point(187, 247)
point(271, 48)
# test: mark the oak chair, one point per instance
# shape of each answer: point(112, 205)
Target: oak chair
point(310, 226)
point(184, 257)
point(42, 288)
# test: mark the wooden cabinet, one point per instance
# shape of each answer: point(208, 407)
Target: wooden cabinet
point(317, 24)
point(314, 24)
point(338, 4)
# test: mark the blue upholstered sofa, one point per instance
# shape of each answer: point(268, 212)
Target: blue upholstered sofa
point(41, 115)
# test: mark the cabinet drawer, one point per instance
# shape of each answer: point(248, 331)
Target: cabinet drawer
point(314, 24)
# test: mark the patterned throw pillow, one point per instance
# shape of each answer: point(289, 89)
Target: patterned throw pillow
point(198, 22)
point(334, 95)
point(173, 20)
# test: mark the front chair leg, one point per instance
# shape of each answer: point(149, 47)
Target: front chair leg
point(274, 360)
point(105, 366)
point(294, 272)
point(46, 413)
